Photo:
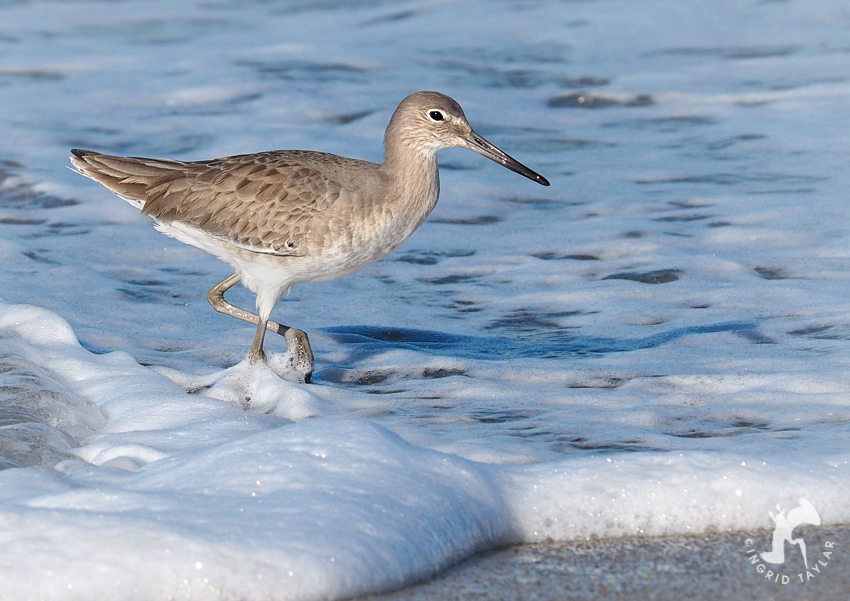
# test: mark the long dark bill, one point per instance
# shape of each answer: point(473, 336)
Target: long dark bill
point(476, 143)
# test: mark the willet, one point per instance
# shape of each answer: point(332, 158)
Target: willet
point(284, 217)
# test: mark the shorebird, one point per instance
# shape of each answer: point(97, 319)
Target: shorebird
point(285, 217)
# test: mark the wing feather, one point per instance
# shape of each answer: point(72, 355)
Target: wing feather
point(266, 202)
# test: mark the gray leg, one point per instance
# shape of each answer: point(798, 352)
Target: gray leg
point(296, 340)
point(255, 355)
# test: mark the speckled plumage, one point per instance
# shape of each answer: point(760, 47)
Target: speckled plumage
point(289, 216)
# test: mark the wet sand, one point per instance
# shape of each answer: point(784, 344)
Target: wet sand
point(695, 568)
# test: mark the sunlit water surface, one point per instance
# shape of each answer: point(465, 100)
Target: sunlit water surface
point(682, 290)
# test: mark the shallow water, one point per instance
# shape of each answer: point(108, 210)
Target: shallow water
point(679, 294)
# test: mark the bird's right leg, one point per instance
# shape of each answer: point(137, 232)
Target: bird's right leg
point(256, 355)
point(296, 340)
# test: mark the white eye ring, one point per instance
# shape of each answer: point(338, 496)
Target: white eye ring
point(436, 115)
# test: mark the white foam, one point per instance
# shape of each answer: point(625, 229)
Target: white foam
point(186, 496)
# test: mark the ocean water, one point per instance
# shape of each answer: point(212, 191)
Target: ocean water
point(657, 344)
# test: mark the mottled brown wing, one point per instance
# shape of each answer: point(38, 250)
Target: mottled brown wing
point(266, 202)
point(263, 202)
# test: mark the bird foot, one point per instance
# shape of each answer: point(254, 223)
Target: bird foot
point(300, 353)
point(298, 361)
point(256, 357)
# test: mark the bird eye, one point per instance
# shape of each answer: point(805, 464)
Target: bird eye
point(436, 115)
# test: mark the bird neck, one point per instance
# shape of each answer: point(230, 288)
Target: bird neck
point(411, 171)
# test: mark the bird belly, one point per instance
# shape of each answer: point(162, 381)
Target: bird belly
point(356, 251)
point(270, 276)
point(368, 235)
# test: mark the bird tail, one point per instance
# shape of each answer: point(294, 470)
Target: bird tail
point(129, 177)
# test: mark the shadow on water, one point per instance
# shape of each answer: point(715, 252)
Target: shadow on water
point(373, 340)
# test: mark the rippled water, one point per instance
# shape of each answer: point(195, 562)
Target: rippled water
point(682, 286)
point(696, 207)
